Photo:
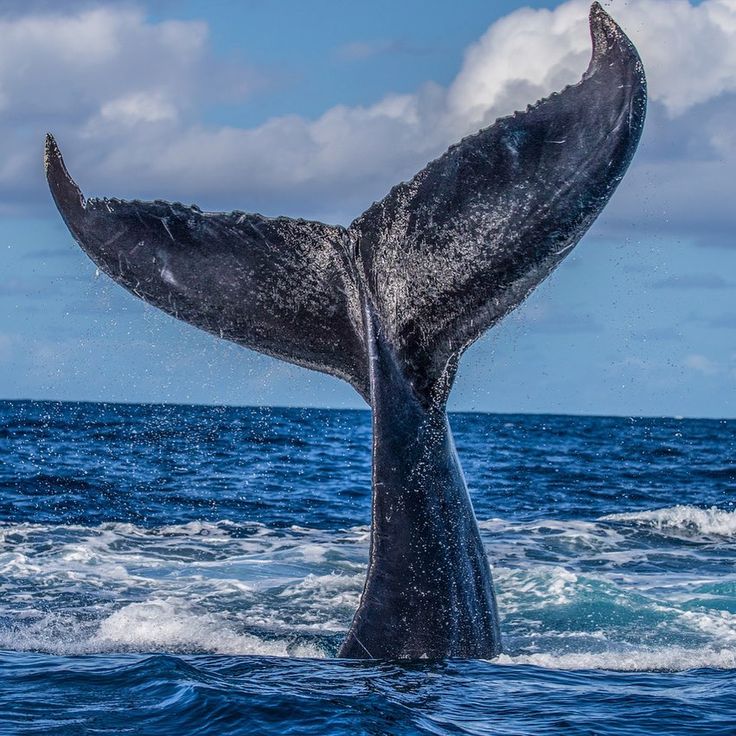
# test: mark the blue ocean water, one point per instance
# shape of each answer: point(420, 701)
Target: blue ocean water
point(192, 570)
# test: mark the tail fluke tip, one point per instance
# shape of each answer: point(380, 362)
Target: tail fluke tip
point(67, 195)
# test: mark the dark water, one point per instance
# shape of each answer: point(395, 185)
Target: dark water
point(180, 570)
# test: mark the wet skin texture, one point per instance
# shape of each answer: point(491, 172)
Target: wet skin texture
point(389, 304)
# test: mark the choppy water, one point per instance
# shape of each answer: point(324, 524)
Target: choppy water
point(182, 570)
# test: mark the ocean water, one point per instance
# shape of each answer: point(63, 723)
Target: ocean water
point(192, 570)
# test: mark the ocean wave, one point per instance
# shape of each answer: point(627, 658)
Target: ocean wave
point(664, 659)
point(706, 521)
point(572, 593)
point(158, 625)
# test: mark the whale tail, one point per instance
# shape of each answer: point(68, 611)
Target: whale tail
point(441, 258)
point(394, 300)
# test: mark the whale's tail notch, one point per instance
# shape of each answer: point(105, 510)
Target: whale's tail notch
point(439, 260)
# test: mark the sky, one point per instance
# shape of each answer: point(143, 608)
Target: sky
point(315, 110)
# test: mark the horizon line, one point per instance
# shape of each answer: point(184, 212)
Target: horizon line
point(367, 409)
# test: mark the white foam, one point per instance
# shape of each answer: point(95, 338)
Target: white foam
point(665, 659)
point(157, 625)
point(718, 625)
point(536, 585)
point(247, 589)
point(196, 587)
point(708, 521)
point(166, 625)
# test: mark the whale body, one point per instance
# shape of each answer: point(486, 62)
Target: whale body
point(390, 304)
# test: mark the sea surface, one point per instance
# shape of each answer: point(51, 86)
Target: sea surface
point(192, 570)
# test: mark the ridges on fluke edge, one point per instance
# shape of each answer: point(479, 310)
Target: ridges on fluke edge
point(389, 304)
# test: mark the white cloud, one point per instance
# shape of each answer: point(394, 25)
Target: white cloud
point(69, 66)
point(137, 108)
point(122, 95)
point(520, 59)
point(688, 51)
point(97, 76)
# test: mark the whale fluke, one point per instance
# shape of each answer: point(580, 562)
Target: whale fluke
point(389, 304)
point(452, 251)
point(271, 284)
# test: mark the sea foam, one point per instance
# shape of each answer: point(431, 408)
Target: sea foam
point(707, 521)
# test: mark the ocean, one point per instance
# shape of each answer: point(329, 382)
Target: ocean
point(192, 570)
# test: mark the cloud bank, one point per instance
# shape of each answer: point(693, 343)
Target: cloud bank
point(123, 96)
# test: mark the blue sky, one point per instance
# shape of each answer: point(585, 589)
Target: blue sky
point(315, 109)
